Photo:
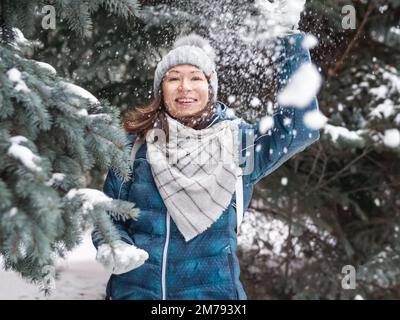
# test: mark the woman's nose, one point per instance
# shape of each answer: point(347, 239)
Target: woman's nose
point(185, 85)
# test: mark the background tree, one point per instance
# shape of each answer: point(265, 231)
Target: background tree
point(339, 198)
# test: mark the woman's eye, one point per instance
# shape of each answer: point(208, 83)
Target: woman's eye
point(197, 78)
point(173, 79)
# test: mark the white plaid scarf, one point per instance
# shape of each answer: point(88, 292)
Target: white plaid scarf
point(196, 172)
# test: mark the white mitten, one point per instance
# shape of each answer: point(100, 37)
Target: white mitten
point(283, 15)
point(121, 257)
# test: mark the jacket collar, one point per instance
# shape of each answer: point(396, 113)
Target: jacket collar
point(219, 115)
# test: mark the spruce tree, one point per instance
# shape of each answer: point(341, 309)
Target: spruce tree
point(52, 133)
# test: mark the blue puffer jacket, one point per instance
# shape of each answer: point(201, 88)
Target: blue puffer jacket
point(207, 266)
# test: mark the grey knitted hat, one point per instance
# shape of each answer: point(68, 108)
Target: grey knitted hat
point(191, 49)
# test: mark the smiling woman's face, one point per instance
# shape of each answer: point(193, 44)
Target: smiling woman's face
point(185, 90)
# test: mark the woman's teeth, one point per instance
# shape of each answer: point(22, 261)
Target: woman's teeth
point(186, 100)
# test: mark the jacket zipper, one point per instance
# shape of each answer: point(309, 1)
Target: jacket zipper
point(164, 263)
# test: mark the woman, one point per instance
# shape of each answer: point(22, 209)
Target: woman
point(183, 245)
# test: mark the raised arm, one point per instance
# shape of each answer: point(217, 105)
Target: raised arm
point(289, 134)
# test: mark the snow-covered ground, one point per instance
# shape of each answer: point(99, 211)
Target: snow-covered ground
point(81, 277)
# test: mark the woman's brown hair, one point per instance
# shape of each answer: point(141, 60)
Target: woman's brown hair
point(153, 115)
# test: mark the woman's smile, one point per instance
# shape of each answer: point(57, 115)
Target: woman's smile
point(185, 101)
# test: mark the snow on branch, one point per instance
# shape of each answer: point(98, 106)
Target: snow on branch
point(79, 91)
point(24, 154)
point(92, 198)
point(15, 76)
point(337, 132)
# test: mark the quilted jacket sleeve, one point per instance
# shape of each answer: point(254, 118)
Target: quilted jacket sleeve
point(289, 135)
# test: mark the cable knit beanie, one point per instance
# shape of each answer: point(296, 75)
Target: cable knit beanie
point(191, 49)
